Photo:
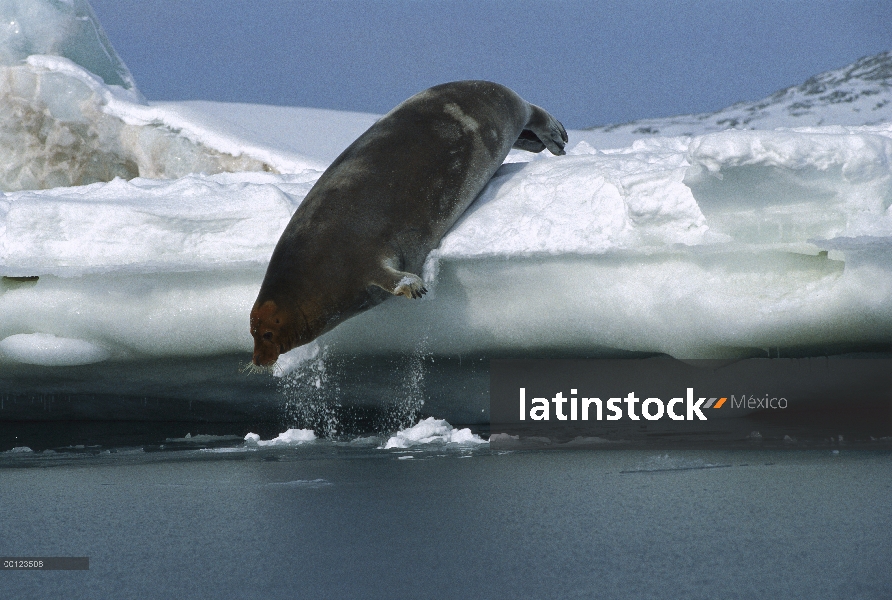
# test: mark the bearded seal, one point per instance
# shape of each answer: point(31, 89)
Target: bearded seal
point(366, 227)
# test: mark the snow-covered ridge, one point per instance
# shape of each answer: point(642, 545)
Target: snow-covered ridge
point(71, 114)
point(61, 125)
point(195, 223)
point(696, 247)
point(748, 187)
point(68, 29)
point(857, 94)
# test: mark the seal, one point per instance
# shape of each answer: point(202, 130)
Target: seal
point(364, 230)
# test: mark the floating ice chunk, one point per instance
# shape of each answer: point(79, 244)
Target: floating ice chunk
point(49, 350)
point(292, 437)
point(430, 431)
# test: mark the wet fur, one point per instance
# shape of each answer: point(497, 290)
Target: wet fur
point(365, 228)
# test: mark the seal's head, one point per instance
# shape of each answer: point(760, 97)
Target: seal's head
point(282, 322)
point(274, 332)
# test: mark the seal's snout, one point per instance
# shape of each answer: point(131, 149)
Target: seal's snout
point(259, 361)
point(267, 329)
point(264, 355)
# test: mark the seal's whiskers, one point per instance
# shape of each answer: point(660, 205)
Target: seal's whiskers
point(253, 369)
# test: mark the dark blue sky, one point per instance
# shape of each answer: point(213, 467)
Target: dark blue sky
point(588, 62)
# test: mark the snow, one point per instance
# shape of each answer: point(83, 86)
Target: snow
point(620, 249)
point(857, 94)
point(159, 220)
point(61, 125)
point(316, 133)
point(193, 223)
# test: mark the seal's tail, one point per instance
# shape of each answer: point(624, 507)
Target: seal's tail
point(542, 131)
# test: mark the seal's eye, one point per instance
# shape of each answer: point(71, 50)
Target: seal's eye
point(268, 335)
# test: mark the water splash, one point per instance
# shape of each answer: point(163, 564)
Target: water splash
point(404, 408)
point(312, 396)
point(336, 395)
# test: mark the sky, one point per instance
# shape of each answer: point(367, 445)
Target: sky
point(587, 62)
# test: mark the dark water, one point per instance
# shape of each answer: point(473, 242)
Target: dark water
point(328, 520)
point(775, 504)
point(827, 429)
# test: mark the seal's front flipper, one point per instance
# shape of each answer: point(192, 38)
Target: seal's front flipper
point(398, 283)
point(542, 131)
point(410, 286)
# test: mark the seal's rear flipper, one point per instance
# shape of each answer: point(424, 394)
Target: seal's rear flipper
point(542, 131)
point(398, 283)
point(529, 142)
